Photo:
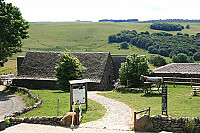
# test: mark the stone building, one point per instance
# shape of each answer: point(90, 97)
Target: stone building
point(37, 69)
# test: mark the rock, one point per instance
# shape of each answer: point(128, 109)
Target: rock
point(143, 124)
point(67, 119)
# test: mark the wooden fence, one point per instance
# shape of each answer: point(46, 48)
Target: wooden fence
point(179, 80)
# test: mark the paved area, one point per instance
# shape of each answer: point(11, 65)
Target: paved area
point(118, 114)
point(36, 128)
point(9, 103)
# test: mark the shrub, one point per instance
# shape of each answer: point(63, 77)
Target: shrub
point(124, 45)
point(7, 122)
point(180, 58)
point(197, 56)
point(157, 60)
point(69, 68)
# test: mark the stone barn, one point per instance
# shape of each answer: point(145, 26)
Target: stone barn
point(186, 70)
point(37, 69)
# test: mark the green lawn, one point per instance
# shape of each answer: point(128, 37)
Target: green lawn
point(181, 102)
point(49, 106)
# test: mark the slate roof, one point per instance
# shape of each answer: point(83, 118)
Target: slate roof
point(42, 64)
point(183, 68)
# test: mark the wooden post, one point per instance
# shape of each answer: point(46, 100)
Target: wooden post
point(174, 82)
point(191, 81)
point(57, 107)
point(149, 111)
point(71, 97)
point(77, 116)
point(86, 88)
point(134, 119)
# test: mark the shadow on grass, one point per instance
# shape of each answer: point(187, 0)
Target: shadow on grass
point(152, 95)
point(61, 92)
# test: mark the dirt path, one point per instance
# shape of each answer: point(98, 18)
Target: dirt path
point(9, 103)
point(118, 114)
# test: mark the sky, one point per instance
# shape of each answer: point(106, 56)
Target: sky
point(94, 10)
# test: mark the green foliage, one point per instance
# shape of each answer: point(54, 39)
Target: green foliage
point(187, 26)
point(157, 60)
point(180, 58)
point(166, 27)
point(13, 29)
point(197, 56)
point(131, 70)
point(162, 43)
point(69, 68)
point(124, 45)
point(7, 122)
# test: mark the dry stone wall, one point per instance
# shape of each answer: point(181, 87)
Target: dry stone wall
point(164, 123)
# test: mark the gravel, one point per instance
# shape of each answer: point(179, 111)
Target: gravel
point(118, 114)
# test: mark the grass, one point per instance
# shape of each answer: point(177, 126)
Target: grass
point(181, 102)
point(92, 37)
point(49, 106)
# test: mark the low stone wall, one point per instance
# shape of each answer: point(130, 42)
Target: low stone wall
point(129, 90)
point(25, 109)
point(37, 120)
point(164, 123)
point(35, 83)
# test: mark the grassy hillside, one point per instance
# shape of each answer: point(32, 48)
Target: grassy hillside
point(82, 37)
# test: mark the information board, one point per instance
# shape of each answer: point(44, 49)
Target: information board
point(164, 100)
point(79, 94)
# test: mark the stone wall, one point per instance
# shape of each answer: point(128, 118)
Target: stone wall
point(25, 109)
point(37, 120)
point(35, 83)
point(117, 60)
point(19, 62)
point(164, 123)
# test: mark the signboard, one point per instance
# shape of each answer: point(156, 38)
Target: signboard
point(78, 94)
point(164, 100)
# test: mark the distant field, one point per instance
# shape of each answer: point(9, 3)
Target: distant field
point(83, 37)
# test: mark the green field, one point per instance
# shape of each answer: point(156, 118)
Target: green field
point(181, 102)
point(92, 37)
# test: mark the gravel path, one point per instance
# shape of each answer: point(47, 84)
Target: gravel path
point(9, 103)
point(118, 114)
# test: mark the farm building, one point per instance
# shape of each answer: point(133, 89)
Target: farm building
point(37, 69)
point(178, 70)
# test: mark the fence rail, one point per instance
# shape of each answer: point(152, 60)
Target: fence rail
point(135, 113)
point(179, 80)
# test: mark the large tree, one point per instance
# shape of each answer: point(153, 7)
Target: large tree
point(13, 28)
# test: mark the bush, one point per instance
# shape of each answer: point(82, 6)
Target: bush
point(180, 58)
point(131, 70)
point(197, 56)
point(124, 45)
point(69, 68)
point(157, 60)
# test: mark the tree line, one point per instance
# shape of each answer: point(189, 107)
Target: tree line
point(166, 27)
point(162, 43)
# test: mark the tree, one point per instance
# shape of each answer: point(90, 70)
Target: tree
point(69, 68)
point(197, 56)
point(157, 60)
point(131, 70)
point(180, 58)
point(187, 26)
point(13, 28)
point(124, 45)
